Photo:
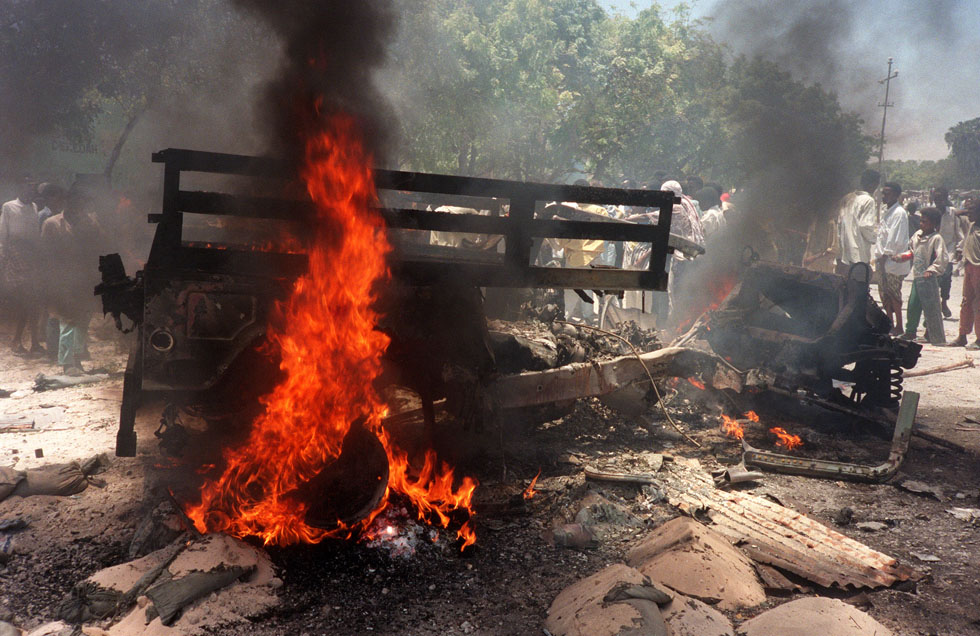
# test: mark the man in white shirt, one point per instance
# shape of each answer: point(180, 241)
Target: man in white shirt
point(20, 234)
point(857, 224)
point(892, 239)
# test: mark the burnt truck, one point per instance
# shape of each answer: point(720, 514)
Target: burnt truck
point(201, 304)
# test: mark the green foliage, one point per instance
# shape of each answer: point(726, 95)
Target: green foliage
point(530, 89)
point(923, 175)
point(964, 143)
point(68, 69)
point(525, 89)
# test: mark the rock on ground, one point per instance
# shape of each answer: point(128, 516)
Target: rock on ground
point(810, 616)
point(579, 610)
point(690, 617)
point(691, 559)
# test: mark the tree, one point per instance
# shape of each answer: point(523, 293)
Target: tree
point(64, 71)
point(792, 144)
point(963, 140)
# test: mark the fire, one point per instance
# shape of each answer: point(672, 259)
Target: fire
point(331, 355)
point(752, 416)
point(789, 442)
point(530, 491)
point(731, 427)
point(697, 383)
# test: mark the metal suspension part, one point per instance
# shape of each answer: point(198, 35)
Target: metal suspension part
point(897, 378)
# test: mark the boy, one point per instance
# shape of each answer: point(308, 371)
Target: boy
point(970, 251)
point(929, 260)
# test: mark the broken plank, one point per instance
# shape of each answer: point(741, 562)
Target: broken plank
point(11, 425)
point(781, 537)
point(589, 379)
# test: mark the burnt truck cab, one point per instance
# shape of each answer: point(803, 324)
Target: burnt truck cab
point(201, 303)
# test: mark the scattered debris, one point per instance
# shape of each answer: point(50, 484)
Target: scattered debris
point(54, 382)
point(9, 425)
point(191, 585)
point(591, 472)
point(844, 516)
point(12, 525)
point(962, 364)
point(54, 479)
point(583, 609)
point(572, 535)
point(691, 617)
point(871, 526)
point(692, 559)
point(732, 475)
point(815, 615)
point(772, 534)
point(843, 470)
point(971, 515)
point(920, 488)
point(928, 558)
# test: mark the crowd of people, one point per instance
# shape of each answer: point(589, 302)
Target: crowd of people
point(947, 240)
point(699, 219)
point(49, 243)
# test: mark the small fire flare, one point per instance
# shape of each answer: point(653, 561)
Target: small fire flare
point(787, 441)
point(731, 427)
point(331, 355)
point(530, 491)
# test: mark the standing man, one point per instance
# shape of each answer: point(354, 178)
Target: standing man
point(892, 240)
point(857, 224)
point(951, 229)
point(19, 237)
point(969, 250)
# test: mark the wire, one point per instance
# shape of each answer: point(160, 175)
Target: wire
point(660, 400)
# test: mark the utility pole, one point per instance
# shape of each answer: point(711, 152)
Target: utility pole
point(884, 114)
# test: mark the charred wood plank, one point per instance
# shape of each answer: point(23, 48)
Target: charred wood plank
point(588, 379)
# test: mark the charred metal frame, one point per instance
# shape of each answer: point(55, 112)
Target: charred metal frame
point(521, 227)
point(829, 469)
point(198, 307)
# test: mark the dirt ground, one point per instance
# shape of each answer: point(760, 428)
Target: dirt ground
point(506, 583)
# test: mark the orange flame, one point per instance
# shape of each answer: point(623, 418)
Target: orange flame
point(331, 355)
point(789, 442)
point(731, 427)
point(530, 491)
point(697, 383)
point(752, 416)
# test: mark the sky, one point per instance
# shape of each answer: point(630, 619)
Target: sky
point(845, 44)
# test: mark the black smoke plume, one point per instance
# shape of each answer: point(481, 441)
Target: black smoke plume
point(331, 50)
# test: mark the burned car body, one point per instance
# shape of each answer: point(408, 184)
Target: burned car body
point(199, 307)
point(810, 329)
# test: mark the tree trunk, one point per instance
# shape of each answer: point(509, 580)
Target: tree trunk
point(123, 136)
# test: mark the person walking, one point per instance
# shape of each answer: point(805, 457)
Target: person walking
point(969, 251)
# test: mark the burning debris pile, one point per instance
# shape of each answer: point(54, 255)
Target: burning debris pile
point(330, 355)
